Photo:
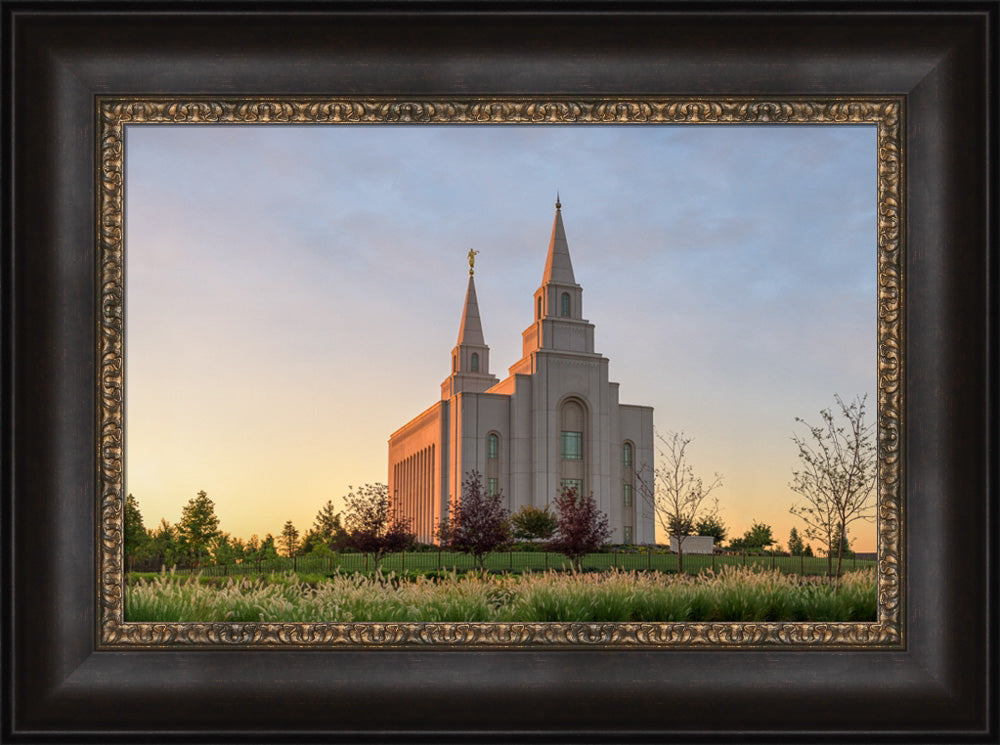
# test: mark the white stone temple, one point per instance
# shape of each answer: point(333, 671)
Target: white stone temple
point(555, 419)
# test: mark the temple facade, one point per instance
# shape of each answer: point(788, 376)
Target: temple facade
point(554, 421)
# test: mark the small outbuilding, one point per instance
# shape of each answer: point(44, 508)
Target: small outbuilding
point(694, 544)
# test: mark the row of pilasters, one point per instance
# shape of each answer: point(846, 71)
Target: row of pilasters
point(413, 484)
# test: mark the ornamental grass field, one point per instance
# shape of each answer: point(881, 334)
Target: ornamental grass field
point(730, 594)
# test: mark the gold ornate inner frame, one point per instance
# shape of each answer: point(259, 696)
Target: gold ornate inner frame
point(886, 113)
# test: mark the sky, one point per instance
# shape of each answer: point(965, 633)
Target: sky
point(293, 294)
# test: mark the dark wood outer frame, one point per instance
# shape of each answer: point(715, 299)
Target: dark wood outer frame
point(57, 687)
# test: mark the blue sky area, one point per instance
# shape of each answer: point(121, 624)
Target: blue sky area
point(293, 293)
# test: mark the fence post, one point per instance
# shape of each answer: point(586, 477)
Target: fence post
point(402, 561)
point(713, 560)
point(744, 557)
point(649, 560)
point(802, 564)
point(546, 561)
point(439, 558)
point(773, 554)
point(510, 558)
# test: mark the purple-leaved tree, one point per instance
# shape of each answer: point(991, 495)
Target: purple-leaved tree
point(477, 524)
point(372, 526)
point(581, 528)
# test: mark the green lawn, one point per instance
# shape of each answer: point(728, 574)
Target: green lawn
point(519, 561)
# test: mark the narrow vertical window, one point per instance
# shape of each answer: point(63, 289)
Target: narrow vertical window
point(627, 534)
point(564, 310)
point(627, 455)
point(492, 487)
point(475, 362)
point(539, 306)
point(572, 445)
point(627, 495)
point(572, 484)
point(493, 447)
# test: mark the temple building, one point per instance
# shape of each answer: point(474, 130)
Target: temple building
point(554, 421)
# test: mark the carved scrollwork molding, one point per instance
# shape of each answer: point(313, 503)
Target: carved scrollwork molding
point(114, 114)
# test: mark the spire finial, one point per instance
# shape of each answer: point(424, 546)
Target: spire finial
point(472, 261)
point(558, 203)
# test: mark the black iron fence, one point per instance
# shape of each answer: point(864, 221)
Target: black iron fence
point(521, 561)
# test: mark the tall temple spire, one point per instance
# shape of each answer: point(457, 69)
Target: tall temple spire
point(558, 267)
point(471, 329)
point(470, 359)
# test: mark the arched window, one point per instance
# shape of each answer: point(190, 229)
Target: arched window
point(564, 309)
point(454, 363)
point(627, 454)
point(492, 463)
point(475, 362)
point(539, 306)
point(573, 445)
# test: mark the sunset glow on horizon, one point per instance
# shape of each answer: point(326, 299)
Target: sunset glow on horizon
point(293, 294)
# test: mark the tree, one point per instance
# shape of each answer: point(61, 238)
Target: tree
point(136, 537)
point(163, 544)
point(759, 536)
point(267, 550)
point(478, 523)
point(290, 539)
point(226, 549)
point(796, 547)
point(530, 523)
point(581, 528)
point(678, 496)
point(845, 545)
point(372, 526)
point(327, 527)
point(198, 528)
point(836, 475)
point(712, 525)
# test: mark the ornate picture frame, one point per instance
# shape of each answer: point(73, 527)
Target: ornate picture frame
point(886, 114)
point(74, 671)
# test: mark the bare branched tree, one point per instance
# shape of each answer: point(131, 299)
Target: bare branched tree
point(837, 475)
point(679, 498)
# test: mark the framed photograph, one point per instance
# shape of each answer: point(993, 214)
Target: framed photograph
point(124, 143)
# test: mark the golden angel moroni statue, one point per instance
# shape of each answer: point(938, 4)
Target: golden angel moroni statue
point(472, 260)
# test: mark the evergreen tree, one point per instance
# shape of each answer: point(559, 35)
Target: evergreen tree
point(136, 537)
point(198, 528)
point(290, 539)
point(796, 546)
point(327, 528)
